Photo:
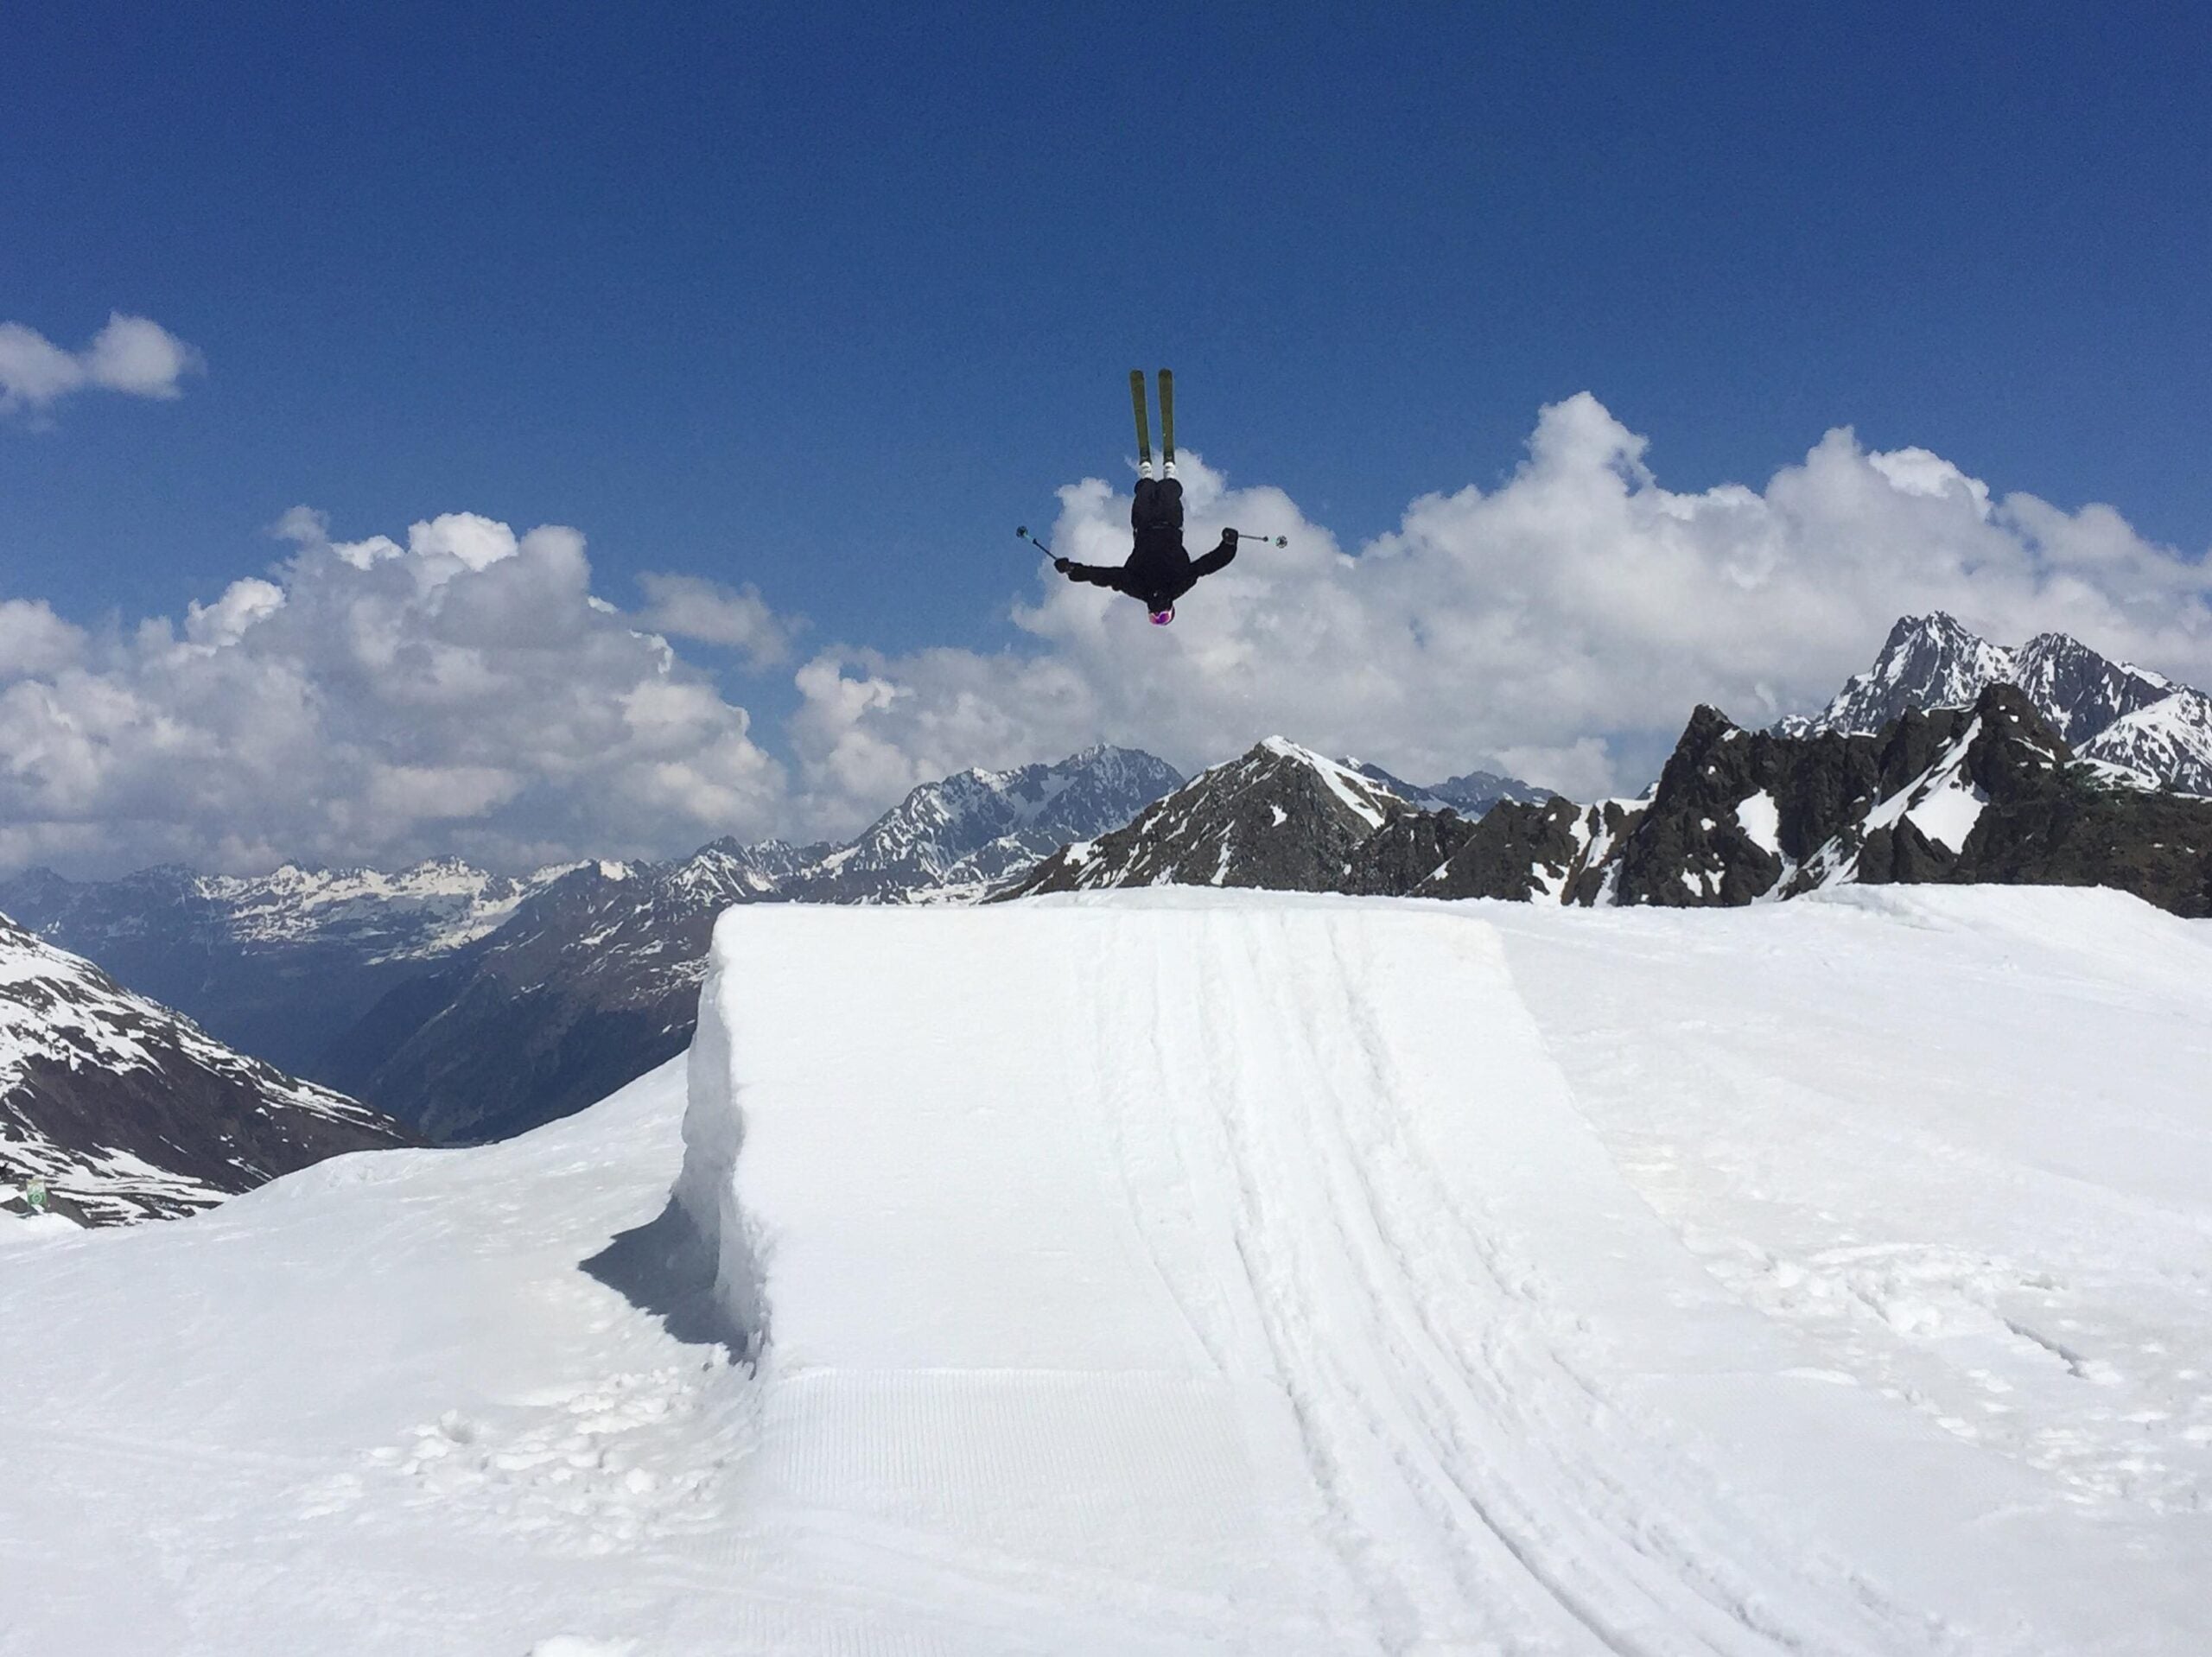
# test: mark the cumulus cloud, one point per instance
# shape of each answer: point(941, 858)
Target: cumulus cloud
point(1560, 627)
point(461, 687)
point(33, 639)
point(131, 354)
point(372, 702)
point(738, 619)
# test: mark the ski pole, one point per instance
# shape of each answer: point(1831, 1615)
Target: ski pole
point(1265, 540)
point(1023, 531)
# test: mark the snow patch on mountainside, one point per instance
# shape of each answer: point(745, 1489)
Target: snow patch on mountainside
point(1760, 818)
point(1356, 790)
point(431, 908)
point(2171, 740)
point(125, 1110)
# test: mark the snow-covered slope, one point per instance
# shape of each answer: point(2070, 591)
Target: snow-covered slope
point(1183, 1272)
point(127, 1111)
point(2170, 739)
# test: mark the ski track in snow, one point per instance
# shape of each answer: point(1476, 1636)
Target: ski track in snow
point(1193, 1271)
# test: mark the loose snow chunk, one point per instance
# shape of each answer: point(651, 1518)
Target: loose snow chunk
point(1947, 815)
point(1761, 821)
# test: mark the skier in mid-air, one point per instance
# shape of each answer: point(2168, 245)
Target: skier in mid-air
point(1158, 571)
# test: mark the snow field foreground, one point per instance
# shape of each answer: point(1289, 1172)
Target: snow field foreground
point(1193, 1271)
point(1189, 1272)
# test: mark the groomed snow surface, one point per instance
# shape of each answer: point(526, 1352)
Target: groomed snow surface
point(1191, 1271)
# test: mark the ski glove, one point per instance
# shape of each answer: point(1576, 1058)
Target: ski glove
point(1229, 537)
point(1062, 565)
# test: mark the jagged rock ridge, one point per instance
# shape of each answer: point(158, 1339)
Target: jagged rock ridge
point(1990, 793)
point(1987, 793)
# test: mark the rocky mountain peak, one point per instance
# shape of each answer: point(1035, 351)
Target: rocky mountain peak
point(2078, 691)
point(2112, 712)
point(1279, 816)
point(1930, 661)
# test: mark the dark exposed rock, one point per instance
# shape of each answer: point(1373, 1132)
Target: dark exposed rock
point(1407, 850)
point(1524, 853)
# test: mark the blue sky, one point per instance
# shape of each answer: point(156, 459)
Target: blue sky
point(825, 302)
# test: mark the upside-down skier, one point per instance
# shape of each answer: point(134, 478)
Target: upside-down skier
point(1158, 571)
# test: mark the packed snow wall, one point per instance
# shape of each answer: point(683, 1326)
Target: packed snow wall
point(1252, 1254)
point(704, 1204)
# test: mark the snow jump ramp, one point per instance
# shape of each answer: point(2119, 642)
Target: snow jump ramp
point(1187, 1270)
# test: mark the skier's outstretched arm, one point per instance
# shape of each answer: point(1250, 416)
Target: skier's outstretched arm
point(1095, 574)
point(1220, 558)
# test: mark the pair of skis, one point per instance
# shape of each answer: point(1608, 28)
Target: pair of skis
point(1167, 422)
point(1144, 447)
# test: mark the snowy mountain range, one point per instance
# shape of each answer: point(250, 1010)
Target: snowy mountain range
point(950, 838)
point(1280, 817)
point(2105, 710)
point(595, 978)
point(472, 1006)
point(278, 965)
point(126, 1111)
point(1986, 794)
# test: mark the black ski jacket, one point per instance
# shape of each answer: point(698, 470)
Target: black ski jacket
point(1158, 571)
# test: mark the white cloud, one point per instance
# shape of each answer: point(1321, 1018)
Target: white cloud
point(738, 619)
point(138, 355)
point(131, 354)
point(225, 621)
point(371, 703)
point(34, 371)
point(1560, 625)
point(33, 639)
point(461, 690)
